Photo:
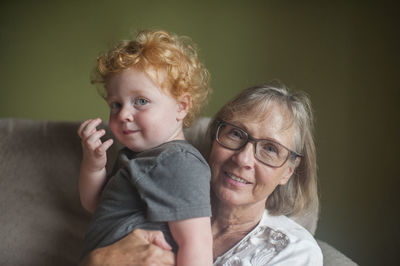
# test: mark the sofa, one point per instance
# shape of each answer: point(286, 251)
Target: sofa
point(42, 221)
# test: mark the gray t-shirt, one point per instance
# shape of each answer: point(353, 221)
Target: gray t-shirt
point(167, 183)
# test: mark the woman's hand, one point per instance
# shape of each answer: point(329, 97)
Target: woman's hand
point(144, 248)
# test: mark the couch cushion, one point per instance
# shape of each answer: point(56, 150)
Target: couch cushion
point(42, 222)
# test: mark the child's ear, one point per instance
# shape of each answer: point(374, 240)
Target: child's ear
point(184, 103)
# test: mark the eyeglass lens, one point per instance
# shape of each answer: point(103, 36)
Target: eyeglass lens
point(266, 151)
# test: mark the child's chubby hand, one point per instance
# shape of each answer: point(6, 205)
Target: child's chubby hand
point(94, 150)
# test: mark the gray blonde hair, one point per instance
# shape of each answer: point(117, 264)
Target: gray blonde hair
point(299, 194)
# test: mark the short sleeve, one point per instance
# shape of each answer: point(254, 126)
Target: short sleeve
point(174, 186)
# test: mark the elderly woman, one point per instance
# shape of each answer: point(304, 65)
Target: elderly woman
point(263, 166)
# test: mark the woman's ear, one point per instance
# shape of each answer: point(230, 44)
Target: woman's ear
point(184, 104)
point(289, 171)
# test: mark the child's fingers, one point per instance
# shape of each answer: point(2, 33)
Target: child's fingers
point(83, 126)
point(104, 147)
point(107, 144)
point(94, 141)
point(90, 128)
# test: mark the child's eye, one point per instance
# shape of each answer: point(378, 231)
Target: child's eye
point(115, 105)
point(141, 101)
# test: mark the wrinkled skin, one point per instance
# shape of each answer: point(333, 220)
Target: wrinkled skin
point(145, 248)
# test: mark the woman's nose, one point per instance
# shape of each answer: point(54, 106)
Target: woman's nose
point(126, 114)
point(245, 156)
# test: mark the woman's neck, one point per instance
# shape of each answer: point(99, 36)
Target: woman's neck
point(244, 218)
point(231, 223)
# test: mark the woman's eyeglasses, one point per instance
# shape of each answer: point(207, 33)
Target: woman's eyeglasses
point(267, 151)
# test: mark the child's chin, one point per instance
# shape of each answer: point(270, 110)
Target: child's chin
point(136, 148)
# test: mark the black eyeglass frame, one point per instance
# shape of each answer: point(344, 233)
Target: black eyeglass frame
point(254, 141)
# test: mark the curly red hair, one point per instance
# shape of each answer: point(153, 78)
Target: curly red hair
point(174, 57)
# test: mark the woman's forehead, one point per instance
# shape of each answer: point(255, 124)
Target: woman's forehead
point(274, 112)
point(275, 122)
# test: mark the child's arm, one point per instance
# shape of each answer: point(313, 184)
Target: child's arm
point(194, 239)
point(92, 174)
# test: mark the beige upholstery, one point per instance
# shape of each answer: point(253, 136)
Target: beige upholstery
point(42, 222)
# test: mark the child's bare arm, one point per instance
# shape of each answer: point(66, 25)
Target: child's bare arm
point(194, 239)
point(92, 174)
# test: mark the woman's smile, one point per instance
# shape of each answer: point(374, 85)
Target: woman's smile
point(235, 180)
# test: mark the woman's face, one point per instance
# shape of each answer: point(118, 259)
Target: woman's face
point(238, 178)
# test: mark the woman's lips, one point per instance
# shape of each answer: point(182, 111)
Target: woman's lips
point(236, 180)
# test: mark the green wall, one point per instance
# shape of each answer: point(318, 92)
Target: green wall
point(345, 54)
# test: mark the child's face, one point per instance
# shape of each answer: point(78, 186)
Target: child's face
point(142, 116)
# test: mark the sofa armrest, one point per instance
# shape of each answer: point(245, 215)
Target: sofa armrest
point(333, 257)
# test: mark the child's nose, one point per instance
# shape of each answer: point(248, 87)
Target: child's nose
point(126, 114)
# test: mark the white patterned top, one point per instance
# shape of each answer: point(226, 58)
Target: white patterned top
point(276, 240)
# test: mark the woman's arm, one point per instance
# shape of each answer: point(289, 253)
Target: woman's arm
point(140, 247)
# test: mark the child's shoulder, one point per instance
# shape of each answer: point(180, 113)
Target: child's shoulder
point(179, 149)
point(172, 151)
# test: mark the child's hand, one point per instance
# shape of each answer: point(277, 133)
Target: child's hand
point(94, 150)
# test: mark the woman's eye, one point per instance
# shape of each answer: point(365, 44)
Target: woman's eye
point(141, 101)
point(270, 148)
point(236, 134)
